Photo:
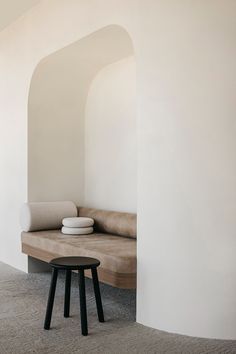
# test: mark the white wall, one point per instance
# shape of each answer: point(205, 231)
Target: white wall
point(110, 139)
point(56, 133)
point(64, 163)
point(185, 53)
point(11, 10)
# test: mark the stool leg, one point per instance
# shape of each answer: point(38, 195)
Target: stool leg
point(51, 296)
point(67, 293)
point(97, 294)
point(83, 310)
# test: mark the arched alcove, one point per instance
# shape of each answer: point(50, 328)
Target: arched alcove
point(81, 123)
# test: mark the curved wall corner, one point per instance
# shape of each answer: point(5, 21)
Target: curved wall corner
point(187, 172)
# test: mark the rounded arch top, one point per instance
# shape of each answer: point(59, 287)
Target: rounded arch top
point(104, 46)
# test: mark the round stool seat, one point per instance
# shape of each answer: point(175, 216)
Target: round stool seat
point(75, 263)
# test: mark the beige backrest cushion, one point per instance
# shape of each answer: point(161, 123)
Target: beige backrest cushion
point(113, 222)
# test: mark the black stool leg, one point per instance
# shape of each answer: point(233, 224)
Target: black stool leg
point(51, 296)
point(83, 310)
point(97, 294)
point(67, 293)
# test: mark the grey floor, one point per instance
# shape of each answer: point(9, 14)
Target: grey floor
point(22, 307)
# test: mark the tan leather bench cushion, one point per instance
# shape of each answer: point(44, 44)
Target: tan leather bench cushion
point(112, 222)
point(117, 254)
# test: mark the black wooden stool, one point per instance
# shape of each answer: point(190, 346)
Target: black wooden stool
point(68, 264)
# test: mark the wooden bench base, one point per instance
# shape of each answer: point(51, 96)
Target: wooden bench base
point(118, 280)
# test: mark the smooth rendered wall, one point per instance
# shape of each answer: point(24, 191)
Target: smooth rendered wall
point(187, 168)
point(56, 133)
point(58, 150)
point(185, 53)
point(110, 139)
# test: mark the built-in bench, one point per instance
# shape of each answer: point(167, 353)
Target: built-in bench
point(113, 243)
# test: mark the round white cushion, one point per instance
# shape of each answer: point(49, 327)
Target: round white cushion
point(76, 230)
point(45, 215)
point(78, 222)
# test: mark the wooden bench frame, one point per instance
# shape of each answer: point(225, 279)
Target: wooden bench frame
point(118, 280)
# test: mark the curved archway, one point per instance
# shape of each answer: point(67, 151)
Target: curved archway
point(57, 145)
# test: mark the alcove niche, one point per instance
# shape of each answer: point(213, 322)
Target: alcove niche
point(82, 124)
